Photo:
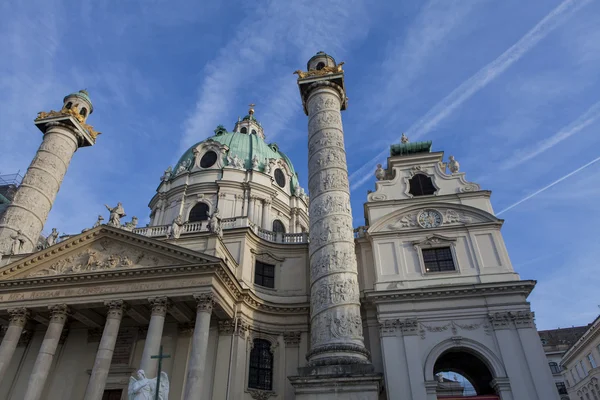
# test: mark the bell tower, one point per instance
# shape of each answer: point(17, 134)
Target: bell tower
point(64, 132)
point(337, 353)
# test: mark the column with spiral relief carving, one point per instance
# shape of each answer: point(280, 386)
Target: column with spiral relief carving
point(336, 324)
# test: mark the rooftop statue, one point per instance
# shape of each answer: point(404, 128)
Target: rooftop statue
point(404, 138)
point(453, 165)
point(116, 213)
point(52, 238)
point(379, 173)
point(319, 72)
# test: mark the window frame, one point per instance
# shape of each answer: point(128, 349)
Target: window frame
point(436, 242)
point(282, 226)
point(194, 206)
point(554, 367)
point(559, 386)
point(421, 176)
point(271, 369)
point(262, 275)
point(592, 360)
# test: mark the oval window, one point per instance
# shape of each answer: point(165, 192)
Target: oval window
point(280, 177)
point(208, 159)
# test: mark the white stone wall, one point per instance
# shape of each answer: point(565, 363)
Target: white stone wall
point(583, 378)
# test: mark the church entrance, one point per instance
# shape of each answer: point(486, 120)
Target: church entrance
point(461, 374)
point(113, 394)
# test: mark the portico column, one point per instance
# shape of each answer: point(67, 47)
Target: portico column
point(154, 335)
point(18, 319)
point(197, 360)
point(266, 213)
point(95, 387)
point(43, 362)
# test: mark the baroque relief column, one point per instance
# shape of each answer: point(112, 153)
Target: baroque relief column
point(18, 319)
point(43, 362)
point(336, 324)
point(64, 132)
point(97, 382)
point(197, 360)
point(154, 335)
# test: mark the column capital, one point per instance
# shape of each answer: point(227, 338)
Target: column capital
point(159, 305)
point(500, 384)
point(115, 308)
point(292, 339)
point(204, 302)
point(58, 312)
point(19, 316)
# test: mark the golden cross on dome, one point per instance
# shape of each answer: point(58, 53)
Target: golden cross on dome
point(251, 110)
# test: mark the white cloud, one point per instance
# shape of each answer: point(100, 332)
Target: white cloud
point(477, 82)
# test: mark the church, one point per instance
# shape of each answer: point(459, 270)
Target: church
point(244, 285)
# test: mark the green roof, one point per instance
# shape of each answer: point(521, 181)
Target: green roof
point(245, 146)
point(402, 149)
point(83, 94)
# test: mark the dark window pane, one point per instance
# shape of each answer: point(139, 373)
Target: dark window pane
point(438, 260)
point(260, 375)
point(264, 274)
point(199, 212)
point(280, 177)
point(244, 130)
point(208, 159)
point(278, 225)
point(421, 185)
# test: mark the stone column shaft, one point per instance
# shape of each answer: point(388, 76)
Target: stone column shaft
point(197, 359)
point(18, 319)
point(97, 382)
point(266, 211)
point(34, 198)
point(336, 324)
point(251, 202)
point(43, 362)
point(154, 336)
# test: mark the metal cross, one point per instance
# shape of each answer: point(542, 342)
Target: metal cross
point(160, 357)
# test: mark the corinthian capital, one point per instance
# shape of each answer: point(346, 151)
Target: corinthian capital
point(58, 312)
point(19, 316)
point(205, 302)
point(159, 305)
point(115, 308)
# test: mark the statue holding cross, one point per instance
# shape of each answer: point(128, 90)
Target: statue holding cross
point(150, 389)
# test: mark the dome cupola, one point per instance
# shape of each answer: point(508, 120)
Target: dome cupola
point(249, 124)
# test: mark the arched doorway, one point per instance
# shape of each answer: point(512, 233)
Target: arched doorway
point(462, 374)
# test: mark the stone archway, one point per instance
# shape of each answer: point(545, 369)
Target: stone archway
point(481, 369)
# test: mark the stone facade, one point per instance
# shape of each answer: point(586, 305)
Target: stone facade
point(246, 312)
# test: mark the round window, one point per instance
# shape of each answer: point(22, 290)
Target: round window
point(280, 177)
point(208, 159)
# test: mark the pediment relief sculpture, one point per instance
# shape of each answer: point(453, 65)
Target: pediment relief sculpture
point(103, 255)
point(434, 240)
point(431, 217)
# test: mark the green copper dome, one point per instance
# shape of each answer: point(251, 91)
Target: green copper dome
point(245, 146)
point(82, 94)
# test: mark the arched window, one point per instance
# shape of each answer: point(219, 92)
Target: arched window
point(83, 112)
point(253, 132)
point(554, 367)
point(260, 375)
point(278, 226)
point(461, 374)
point(199, 212)
point(69, 105)
point(421, 185)
point(244, 130)
point(320, 65)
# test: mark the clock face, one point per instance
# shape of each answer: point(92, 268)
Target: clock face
point(429, 218)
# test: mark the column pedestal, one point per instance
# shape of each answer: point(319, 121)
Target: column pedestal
point(197, 360)
point(95, 387)
point(154, 336)
point(43, 362)
point(18, 319)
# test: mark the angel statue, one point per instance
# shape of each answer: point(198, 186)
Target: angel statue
point(116, 213)
point(145, 389)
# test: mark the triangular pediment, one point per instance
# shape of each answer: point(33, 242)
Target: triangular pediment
point(102, 249)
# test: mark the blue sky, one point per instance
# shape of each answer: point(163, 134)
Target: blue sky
point(510, 88)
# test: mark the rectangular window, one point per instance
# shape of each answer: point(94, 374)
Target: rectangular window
point(592, 360)
point(579, 371)
point(438, 260)
point(573, 376)
point(112, 394)
point(264, 274)
point(583, 368)
point(562, 389)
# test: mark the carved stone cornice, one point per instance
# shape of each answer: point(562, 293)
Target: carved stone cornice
point(159, 305)
point(292, 339)
point(19, 316)
point(258, 394)
point(204, 302)
point(390, 327)
point(445, 292)
point(510, 319)
point(229, 327)
point(115, 308)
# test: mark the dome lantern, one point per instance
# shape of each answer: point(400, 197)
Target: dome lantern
point(249, 124)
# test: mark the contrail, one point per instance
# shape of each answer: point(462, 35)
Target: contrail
point(582, 122)
point(478, 81)
point(549, 186)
